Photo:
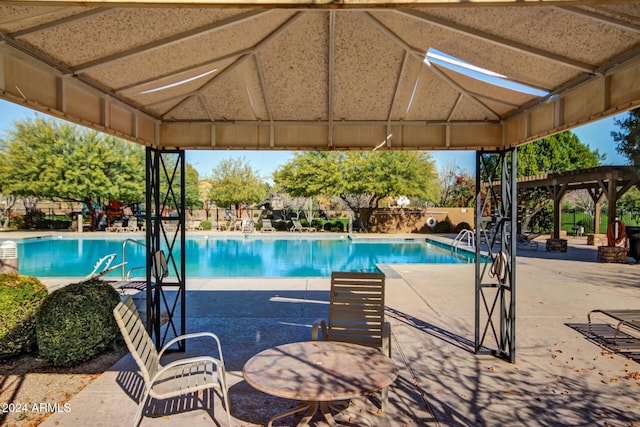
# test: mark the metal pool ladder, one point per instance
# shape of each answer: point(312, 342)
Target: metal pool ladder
point(467, 237)
point(127, 275)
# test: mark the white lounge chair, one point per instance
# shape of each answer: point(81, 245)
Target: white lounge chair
point(102, 267)
point(115, 227)
point(297, 226)
point(194, 226)
point(180, 377)
point(267, 226)
point(247, 226)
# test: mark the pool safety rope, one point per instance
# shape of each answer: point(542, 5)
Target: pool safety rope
point(498, 268)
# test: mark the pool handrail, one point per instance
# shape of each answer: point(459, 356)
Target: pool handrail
point(468, 235)
point(127, 275)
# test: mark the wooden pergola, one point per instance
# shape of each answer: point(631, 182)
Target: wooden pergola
point(609, 181)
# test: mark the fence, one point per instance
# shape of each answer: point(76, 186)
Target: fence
point(574, 218)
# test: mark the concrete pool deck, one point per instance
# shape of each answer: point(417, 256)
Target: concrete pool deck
point(562, 375)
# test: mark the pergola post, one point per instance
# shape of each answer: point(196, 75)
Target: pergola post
point(495, 264)
point(165, 191)
point(557, 192)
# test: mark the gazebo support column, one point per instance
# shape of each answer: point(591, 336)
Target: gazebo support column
point(495, 275)
point(165, 231)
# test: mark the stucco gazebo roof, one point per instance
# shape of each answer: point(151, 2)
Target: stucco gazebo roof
point(342, 75)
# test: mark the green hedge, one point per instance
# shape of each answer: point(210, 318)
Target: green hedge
point(76, 323)
point(20, 297)
point(443, 227)
point(462, 226)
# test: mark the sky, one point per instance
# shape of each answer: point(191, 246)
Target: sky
point(595, 135)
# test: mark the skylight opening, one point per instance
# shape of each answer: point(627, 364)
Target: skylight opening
point(181, 82)
point(442, 59)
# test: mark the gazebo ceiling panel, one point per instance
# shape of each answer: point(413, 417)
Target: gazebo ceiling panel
point(234, 95)
point(307, 76)
point(424, 94)
point(174, 86)
point(366, 69)
point(305, 63)
point(190, 108)
point(469, 107)
point(496, 106)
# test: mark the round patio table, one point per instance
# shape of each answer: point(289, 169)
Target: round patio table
point(317, 373)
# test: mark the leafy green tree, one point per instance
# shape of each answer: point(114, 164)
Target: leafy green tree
point(235, 183)
point(630, 203)
point(628, 138)
point(53, 159)
point(557, 153)
point(192, 188)
point(360, 178)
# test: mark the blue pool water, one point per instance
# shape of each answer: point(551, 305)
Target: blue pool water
point(235, 257)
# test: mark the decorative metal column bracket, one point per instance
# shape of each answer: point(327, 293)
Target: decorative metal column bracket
point(166, 305)
point(495, 273)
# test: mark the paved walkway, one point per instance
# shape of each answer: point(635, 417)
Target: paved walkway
point(562, 376)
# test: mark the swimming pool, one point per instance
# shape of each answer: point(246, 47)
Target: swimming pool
point(255, 256)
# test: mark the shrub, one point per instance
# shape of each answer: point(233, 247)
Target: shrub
point(76, 323)
point(282, 225)
point(337, 226)
point(317, 224)
point(443, 227)
point(206, 225)
point(20, 297)
point(462, 226)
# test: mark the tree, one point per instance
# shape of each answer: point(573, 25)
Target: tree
point(192, 188)
point(234, 183)
point(630, 203)
point(457, 187)
point(360, 178)
point(294, 205)
point(53, 159)
point(557, 153)
point(628, 138)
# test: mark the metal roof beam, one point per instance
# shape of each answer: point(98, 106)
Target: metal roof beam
point(35, 13)
point(72, 19)
point(319, 4)
point(601, 18)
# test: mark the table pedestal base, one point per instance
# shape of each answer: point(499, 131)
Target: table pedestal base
point(311, 408)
